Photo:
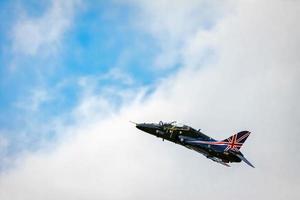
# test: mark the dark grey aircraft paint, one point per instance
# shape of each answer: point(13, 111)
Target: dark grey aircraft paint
point(223, 152)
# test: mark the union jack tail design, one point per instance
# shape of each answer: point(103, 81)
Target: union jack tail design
point(236, 141)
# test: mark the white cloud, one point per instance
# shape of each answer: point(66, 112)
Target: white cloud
point(99, 98)
point(251, 85)
point(172, 22)
point(117, 74)
point(31, 35)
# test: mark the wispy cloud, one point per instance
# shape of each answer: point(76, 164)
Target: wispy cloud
point(32, 55)
point(36, 34)
point(33, 100)
point(173, 22)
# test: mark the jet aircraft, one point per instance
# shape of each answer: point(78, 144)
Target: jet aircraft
point(221, 151)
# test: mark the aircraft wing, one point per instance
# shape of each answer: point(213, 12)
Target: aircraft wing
point(222, 163)
point(218, 160)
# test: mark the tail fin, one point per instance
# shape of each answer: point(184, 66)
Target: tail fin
point(236, 141)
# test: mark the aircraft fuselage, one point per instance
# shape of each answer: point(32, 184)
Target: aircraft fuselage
point(192, 139)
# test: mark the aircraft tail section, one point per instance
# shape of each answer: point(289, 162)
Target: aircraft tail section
point(236, 141)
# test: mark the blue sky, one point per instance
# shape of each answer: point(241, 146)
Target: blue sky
point(103, 41)
point(102, 37)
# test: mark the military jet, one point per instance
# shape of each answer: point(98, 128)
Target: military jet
point(221, 151)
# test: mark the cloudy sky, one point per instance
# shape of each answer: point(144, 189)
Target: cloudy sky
point(73, 73)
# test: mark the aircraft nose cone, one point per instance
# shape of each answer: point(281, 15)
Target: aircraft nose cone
point(140, 126)
point(149, 128)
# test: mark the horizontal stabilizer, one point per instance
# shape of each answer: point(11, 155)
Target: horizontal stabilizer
point(245, 160)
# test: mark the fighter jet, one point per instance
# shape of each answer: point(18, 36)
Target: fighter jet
point(221, 151)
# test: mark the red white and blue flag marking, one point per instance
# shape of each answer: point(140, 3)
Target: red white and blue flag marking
point(234, 142)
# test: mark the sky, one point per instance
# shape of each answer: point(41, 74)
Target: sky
point(73, 74)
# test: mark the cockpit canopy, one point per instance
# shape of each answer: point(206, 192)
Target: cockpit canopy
point(161, 123)
point(173, 123)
